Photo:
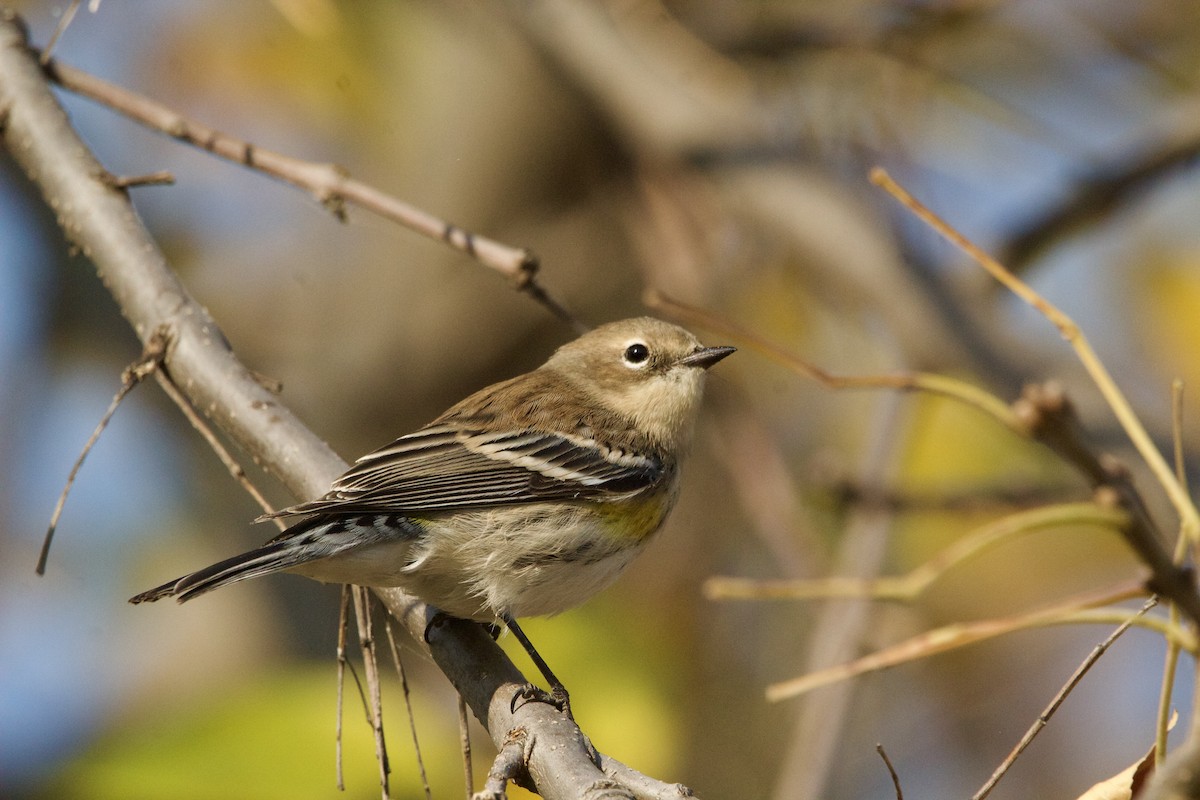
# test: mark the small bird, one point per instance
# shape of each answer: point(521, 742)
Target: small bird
point(524, 499)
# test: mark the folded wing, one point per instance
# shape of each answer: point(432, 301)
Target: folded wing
point(446, 467)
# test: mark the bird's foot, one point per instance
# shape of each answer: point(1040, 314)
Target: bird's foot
point(531, 693)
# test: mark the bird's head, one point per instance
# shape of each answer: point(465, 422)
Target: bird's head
point(644, 369)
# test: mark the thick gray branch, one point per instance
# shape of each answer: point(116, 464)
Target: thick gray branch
point(102, 223)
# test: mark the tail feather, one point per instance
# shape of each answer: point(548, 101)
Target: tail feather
point(299, 544)
point(262, 561)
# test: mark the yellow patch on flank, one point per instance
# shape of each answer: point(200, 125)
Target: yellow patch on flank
point(634, 520)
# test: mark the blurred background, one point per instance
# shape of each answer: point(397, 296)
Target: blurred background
point(714, 150)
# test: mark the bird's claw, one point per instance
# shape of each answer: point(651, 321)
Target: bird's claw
point(529, 693)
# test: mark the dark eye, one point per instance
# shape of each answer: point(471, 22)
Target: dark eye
point(636, 353)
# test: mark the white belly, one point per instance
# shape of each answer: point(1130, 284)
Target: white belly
point(470, 566)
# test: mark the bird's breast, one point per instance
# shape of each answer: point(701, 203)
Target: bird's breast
point(633, 520)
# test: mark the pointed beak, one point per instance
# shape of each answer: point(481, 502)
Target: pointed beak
point(705, 357)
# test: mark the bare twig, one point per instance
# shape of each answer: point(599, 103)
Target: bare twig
point(909, 586)
point(1043, 413)
point(361, 599)
point(1181, 546)
point(1188, 515)
point(236, 471)
point(1171, 657)
point(135, 373)
point(1050, 419)
point(328, 183)
point(1057, 701)
point(343, 622)
point(891, 771)
point(64, 22)
point(398, 662)
point(464, 740)
point(953, 636)
point(903, 381)
point(160, 178)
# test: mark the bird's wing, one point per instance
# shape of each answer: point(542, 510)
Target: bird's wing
point(444, 467)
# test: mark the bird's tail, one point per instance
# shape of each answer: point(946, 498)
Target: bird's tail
point(293, 547)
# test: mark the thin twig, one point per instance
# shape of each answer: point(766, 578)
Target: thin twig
point(1162, 721)
point(891, 771)
point(214, 442)
point(909, 586)
point(1181, 547)
point(1006, 496)
point(903, 381)
point(1044, 718)
point(161, 178)
point(398, 662)
point(328, 183)
point(64, 22)
point(366, 642)
point(961, 634)
point(131, 376)
point(1188, 515)
point(343, 622)
point(464, 739)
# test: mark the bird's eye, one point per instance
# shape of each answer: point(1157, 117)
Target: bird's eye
point(636, 354)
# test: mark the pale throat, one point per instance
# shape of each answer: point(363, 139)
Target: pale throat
point(663, 407)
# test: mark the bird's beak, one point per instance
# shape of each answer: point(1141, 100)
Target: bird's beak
point(705, 357)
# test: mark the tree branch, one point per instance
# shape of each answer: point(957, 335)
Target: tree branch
point(328, 183)
point(97, 217)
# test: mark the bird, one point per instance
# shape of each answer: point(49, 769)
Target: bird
point(522, 500)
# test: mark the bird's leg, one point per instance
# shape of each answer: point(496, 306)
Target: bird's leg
point(558, 696)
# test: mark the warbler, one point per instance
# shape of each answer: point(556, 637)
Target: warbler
point(524, 499)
